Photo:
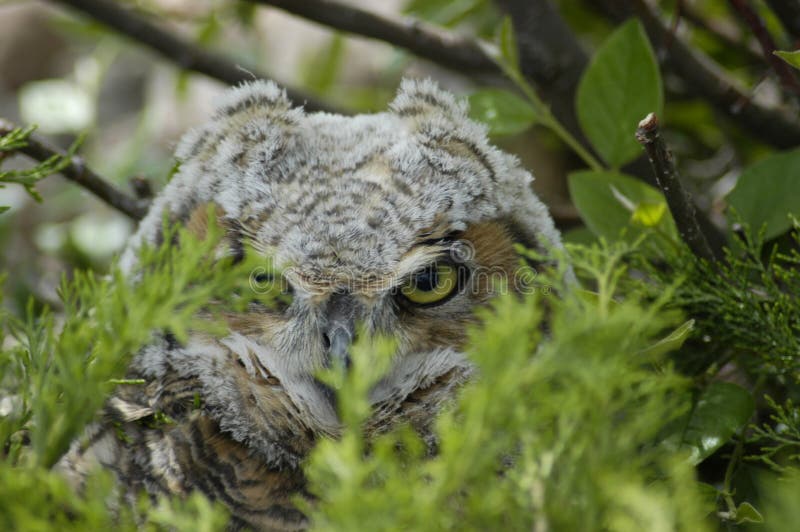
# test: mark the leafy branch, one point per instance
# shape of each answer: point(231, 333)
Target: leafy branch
point(779, 441)
point(53, 160)
point(18, 139)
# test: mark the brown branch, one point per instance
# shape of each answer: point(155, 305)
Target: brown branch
point(706, 78)
point(782, 69)
point(680, 204)
point(421, 39)
point(77, 172)
point(551, 57)
point(181, 52)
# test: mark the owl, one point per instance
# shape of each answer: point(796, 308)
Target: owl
point(393, 224)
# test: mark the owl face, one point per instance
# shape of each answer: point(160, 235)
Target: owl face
point(395, 224)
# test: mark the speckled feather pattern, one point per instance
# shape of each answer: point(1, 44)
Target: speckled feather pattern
point(309, 185)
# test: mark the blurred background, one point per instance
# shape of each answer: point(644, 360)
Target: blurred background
point(70, 75)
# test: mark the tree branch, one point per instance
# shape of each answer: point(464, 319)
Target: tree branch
point(706, 78)
point(678, 200)
point(77, 172)
point(421, 39)
point(551, 56)
point(181, 52)
point(781, 68)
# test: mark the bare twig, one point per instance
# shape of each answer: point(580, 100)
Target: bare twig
point(424, 40)
point(142, 187)
point(179, 51)
point(706, 78)
point(678, 200)
point(759, 29)
point(77, 172)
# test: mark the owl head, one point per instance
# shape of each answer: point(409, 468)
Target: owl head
point(395, 224)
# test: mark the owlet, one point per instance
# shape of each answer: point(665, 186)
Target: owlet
point(393, 223)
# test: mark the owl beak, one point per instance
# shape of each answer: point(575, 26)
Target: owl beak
point(338, 339)
point(340, 330)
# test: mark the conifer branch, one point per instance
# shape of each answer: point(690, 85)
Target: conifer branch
point(76, 171)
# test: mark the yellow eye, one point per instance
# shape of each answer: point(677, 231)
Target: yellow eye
point(431, 285)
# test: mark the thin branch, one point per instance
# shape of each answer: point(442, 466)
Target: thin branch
point(759, 29)
point(678, 200)
point(706, 78)
point(181, 52)
point(551, 56)
point(77, 172)
point(421, 39)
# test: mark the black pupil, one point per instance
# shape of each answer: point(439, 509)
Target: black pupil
point(427, 280)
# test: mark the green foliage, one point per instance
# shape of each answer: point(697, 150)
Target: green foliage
point(721, 409)
point(745, 307)
point(615, 205)
point(619, 88)
point(449, 13)
point(779, 441)
point(768, 192)
point(504, 112)
point(323, 69)
point(793, 58)
point(55, 378)
point(559, 432)
point(17, 139)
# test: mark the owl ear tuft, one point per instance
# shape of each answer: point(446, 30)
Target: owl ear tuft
point(246, 114)
point(422, 98)
point(256, 96)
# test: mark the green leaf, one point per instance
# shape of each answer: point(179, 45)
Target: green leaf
point(209, 29)
point(648, 213)
point(671, 342)
point(721, 410)
point(793, 58)
point(579, 235)
point(245, 13)
point(504, 112)
point(620, 87)
point(442, 12)
point(768, 192)
point(322, 69)
point(708, 494)
point(509, 53)
point(746, 512)
point(609, 202)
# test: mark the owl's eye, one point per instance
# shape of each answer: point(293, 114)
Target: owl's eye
point(434, 284)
